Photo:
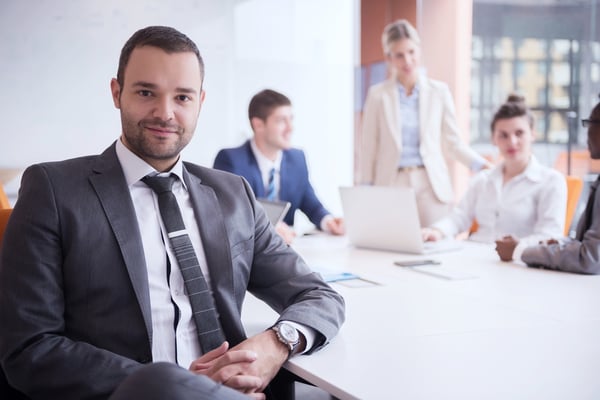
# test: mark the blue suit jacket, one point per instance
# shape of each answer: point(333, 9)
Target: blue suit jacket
point(294, 184)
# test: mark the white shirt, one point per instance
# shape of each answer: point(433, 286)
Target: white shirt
point(178, 345)
point(531, 206)
point(265, 166)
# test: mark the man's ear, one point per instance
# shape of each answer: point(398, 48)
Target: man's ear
point(115, 90)
point(256, 124)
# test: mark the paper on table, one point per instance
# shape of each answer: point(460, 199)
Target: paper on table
point(344, 278)
point(331, 276)
point(442, 272)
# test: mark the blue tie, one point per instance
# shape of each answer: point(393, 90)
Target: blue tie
point(204, 311)
point(271, 193)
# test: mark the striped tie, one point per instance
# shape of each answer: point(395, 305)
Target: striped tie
point(271, 193)
point(205, 314)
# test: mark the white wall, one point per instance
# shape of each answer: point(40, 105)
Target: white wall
point(58, 57)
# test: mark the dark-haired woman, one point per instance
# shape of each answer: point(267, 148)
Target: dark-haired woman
point(519, 198)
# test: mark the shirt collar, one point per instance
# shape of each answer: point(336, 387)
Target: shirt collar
point(134, 168)
point(415, 91)
point(533, 171)
point(264, 164)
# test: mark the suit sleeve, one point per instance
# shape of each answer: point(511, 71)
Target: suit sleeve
point(581, 257)
point(452, 141)
point(310, 204)
point(369, 140)
point(38, 356)
point(281, 278)
point(223, 162)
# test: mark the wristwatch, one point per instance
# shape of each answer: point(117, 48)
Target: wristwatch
point(288, 335)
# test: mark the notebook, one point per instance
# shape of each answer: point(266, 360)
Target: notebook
point(386, 218)
point(275, 210)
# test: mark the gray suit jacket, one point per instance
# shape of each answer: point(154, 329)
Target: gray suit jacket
point(582, 254)
point(75, 315)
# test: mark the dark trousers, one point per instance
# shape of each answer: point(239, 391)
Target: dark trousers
point(169, 381)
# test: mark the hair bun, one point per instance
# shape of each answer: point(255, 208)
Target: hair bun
point(515, 98)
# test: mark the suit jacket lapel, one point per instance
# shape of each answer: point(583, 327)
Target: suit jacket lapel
point(391, 105)
point(254, 177)
point(119, 210)
point(586, 218)
point(285, 176)
point(424, 94)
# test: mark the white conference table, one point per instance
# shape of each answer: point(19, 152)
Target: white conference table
point(509, 332)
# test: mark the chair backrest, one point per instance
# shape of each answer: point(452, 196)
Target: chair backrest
point(574, 188)
point(4, 215)
point(4, 203)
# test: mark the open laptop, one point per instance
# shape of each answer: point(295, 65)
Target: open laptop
point(386, 218)
point(275, 210)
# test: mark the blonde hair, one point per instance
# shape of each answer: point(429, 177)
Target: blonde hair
point(397, 30)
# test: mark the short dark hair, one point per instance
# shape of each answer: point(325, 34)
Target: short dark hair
point(264, 102)
point(164, 37)
point(513, 107)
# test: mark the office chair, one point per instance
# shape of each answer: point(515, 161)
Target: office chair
point(574, 188)
point(6, 392)
point(4, 215)
point(4, 203)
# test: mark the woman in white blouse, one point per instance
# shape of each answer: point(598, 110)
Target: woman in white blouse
point(519, 198)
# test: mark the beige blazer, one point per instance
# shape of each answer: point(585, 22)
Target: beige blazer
point(381, 138)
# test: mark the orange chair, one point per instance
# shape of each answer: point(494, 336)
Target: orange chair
point(4, 215)
point(4, 203)
point(574, 188)
point(474, 227)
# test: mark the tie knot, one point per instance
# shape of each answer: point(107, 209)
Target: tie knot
point(160, 184)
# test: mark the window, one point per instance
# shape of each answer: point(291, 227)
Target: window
point(548, 52)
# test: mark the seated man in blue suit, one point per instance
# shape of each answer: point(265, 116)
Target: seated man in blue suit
point(274, 170)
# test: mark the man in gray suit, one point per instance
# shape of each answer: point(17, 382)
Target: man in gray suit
point(92, 303)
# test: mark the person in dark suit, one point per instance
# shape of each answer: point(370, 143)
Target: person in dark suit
point(273, 168)
point(581, 254)
point(92, 302)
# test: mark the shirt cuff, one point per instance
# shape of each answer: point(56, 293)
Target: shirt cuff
point(477, 166)
point(324, 221)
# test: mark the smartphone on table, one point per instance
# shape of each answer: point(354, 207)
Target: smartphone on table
point(415, 263)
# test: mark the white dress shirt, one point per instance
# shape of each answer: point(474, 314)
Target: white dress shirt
point(531, 206)
point(172, 342)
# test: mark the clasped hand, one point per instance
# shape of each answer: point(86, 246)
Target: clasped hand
point(247, 367)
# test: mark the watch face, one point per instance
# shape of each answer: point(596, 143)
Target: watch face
point(288, 332)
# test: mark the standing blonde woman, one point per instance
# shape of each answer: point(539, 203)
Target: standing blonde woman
point(408, 124)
